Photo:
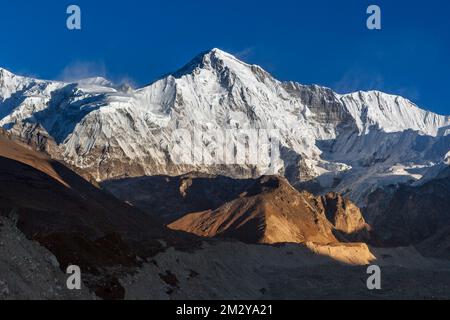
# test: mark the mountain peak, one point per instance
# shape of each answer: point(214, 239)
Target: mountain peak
point(216, 52)
point(221, 54)
point(215, 59)
point(5, 72)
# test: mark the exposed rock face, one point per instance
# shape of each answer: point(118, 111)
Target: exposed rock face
point(345, 216)
point(272, 211)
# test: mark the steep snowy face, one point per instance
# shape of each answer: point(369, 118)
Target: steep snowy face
point(217, 91)
point(391, 114)
point(216, 87)
point(349, 143)
point(21, 97)
point(10, 83)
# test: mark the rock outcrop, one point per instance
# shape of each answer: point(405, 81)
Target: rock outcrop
point(272, 211)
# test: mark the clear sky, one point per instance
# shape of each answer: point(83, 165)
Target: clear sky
point(321, 42)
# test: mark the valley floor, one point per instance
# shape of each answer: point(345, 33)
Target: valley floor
point(232, 270)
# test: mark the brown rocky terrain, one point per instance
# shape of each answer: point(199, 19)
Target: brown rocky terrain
point(79, 223)
point(272, 211)
point(52, 198)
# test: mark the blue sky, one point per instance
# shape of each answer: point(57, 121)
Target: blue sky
point(322, 42)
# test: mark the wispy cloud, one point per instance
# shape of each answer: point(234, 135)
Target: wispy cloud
point(88, 69)
point(126, 80)
point(412, 93)
point(358, 79)
point(83, 69)
point(244, 53)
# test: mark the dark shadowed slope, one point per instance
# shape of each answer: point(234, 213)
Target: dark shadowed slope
point(170, 198)
point(405, 215)
point(77, 222)
point(47, 197)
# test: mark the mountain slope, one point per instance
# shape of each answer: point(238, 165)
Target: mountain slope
point(187, 193)
point(272, 211)
point(404, 215)
point(77, 222)
point(54, 191)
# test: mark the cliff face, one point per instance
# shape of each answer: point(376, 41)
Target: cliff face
point(345, 216)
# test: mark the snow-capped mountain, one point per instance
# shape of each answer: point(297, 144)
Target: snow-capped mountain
point(352, 143)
